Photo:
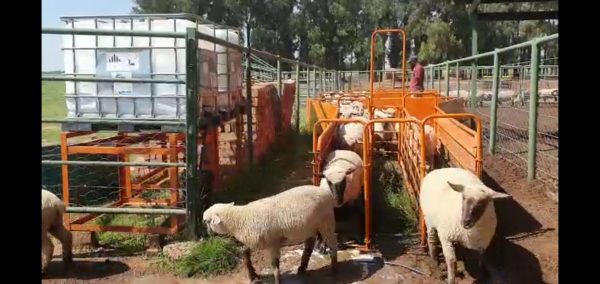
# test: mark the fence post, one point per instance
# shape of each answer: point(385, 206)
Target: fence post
point(447, 79)
point(321, 88)
point(533, 110)
point(249, 140)
point(279, 77)
point(336, 85)
point(473, 95)
point(440, 73)
point(457, 79)
point(494, 107)
point(192, 186)
point(297, 98)
point(307, 82)
point(314, 83)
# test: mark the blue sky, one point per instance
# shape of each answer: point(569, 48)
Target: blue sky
point(52, 10)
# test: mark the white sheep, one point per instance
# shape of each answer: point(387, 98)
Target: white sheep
point(432, 144)
point(52, 222)
point(382, 130)
point(459, 209)
point(349, 135)
point(343, 171)
point(460, 94)
point(291, 217)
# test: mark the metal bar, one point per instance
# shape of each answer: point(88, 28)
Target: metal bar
point(250, 137)
point(191, 153)
point(112, 164)
point(116, 96)
point(533, 111)
point(517, 16)
point(110, 80)
point(105, 121)
point(125, 210)
point(504, 49)
point(298, 98)
point(279, 89)
point(63, 31)
point(494, 108)
point(307, 83)
point(314, 83)
point(186, 16)
point(447, 80)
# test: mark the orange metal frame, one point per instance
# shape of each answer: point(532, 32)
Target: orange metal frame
point(131, 190)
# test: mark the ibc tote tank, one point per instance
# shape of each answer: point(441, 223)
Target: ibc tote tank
point(145, 57)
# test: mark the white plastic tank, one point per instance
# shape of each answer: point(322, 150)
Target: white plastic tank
point(143, 57)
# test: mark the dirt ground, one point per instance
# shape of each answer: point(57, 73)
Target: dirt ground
point(526, 250)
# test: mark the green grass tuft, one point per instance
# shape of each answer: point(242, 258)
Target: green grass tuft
point(211, 257)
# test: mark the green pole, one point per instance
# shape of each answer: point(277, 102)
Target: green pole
point(191, 151)
point(494, 109)
point(297, 98)
point(279, 90)
point(533, 111)
point(447, 79)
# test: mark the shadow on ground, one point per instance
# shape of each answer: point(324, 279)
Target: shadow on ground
point(85, 269)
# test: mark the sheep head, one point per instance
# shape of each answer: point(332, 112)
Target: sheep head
point(475, 199)
point(336, 181)
point(212, 218)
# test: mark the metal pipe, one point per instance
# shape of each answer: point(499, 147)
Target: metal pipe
point(111, 80)
point(533, 111)
point(125, 210)
point(494, 108)
point(297, 108)
point(105, 121)
point(191, 141)
point(113, 164)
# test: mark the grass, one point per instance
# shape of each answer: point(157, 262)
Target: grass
point(213, 256)
point(53, 106)
point(392, 204)
point(127, 243)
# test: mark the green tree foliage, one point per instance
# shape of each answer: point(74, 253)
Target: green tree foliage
point(337, 33)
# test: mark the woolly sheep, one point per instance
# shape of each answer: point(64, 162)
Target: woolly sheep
point(379, 128)
point(458, 208)
point(52, 222)
point(349, 135)
point(343, 171)
point(432, 145)
point(291, 217)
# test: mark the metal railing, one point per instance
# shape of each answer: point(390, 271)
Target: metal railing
point(534, 70)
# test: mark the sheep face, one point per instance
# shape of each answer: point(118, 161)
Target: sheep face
point(212, 220)
point(475, 199)
point(337, 185)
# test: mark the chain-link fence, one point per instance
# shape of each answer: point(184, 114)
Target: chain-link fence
point(508, 114)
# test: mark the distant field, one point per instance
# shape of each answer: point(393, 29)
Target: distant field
point(53, 106)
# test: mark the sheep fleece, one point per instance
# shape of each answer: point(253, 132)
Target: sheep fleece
point(442, 208)
point(289, 217)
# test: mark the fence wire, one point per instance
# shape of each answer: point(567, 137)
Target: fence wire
point(513, 110)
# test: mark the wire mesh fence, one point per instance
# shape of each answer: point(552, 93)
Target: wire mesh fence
point(512, 109)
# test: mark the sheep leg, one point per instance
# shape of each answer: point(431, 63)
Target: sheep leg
point(434, 250)
point(248, 263)
point(275, 251)
point(320, 245)
point(450, 256)
point(47, 251)
point(330, 239)
point(65, 237)
point(309, 244)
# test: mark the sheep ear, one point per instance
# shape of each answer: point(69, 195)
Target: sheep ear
point(498, 195)
point(349, 171)
point(215, 220)
point(456, 187)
